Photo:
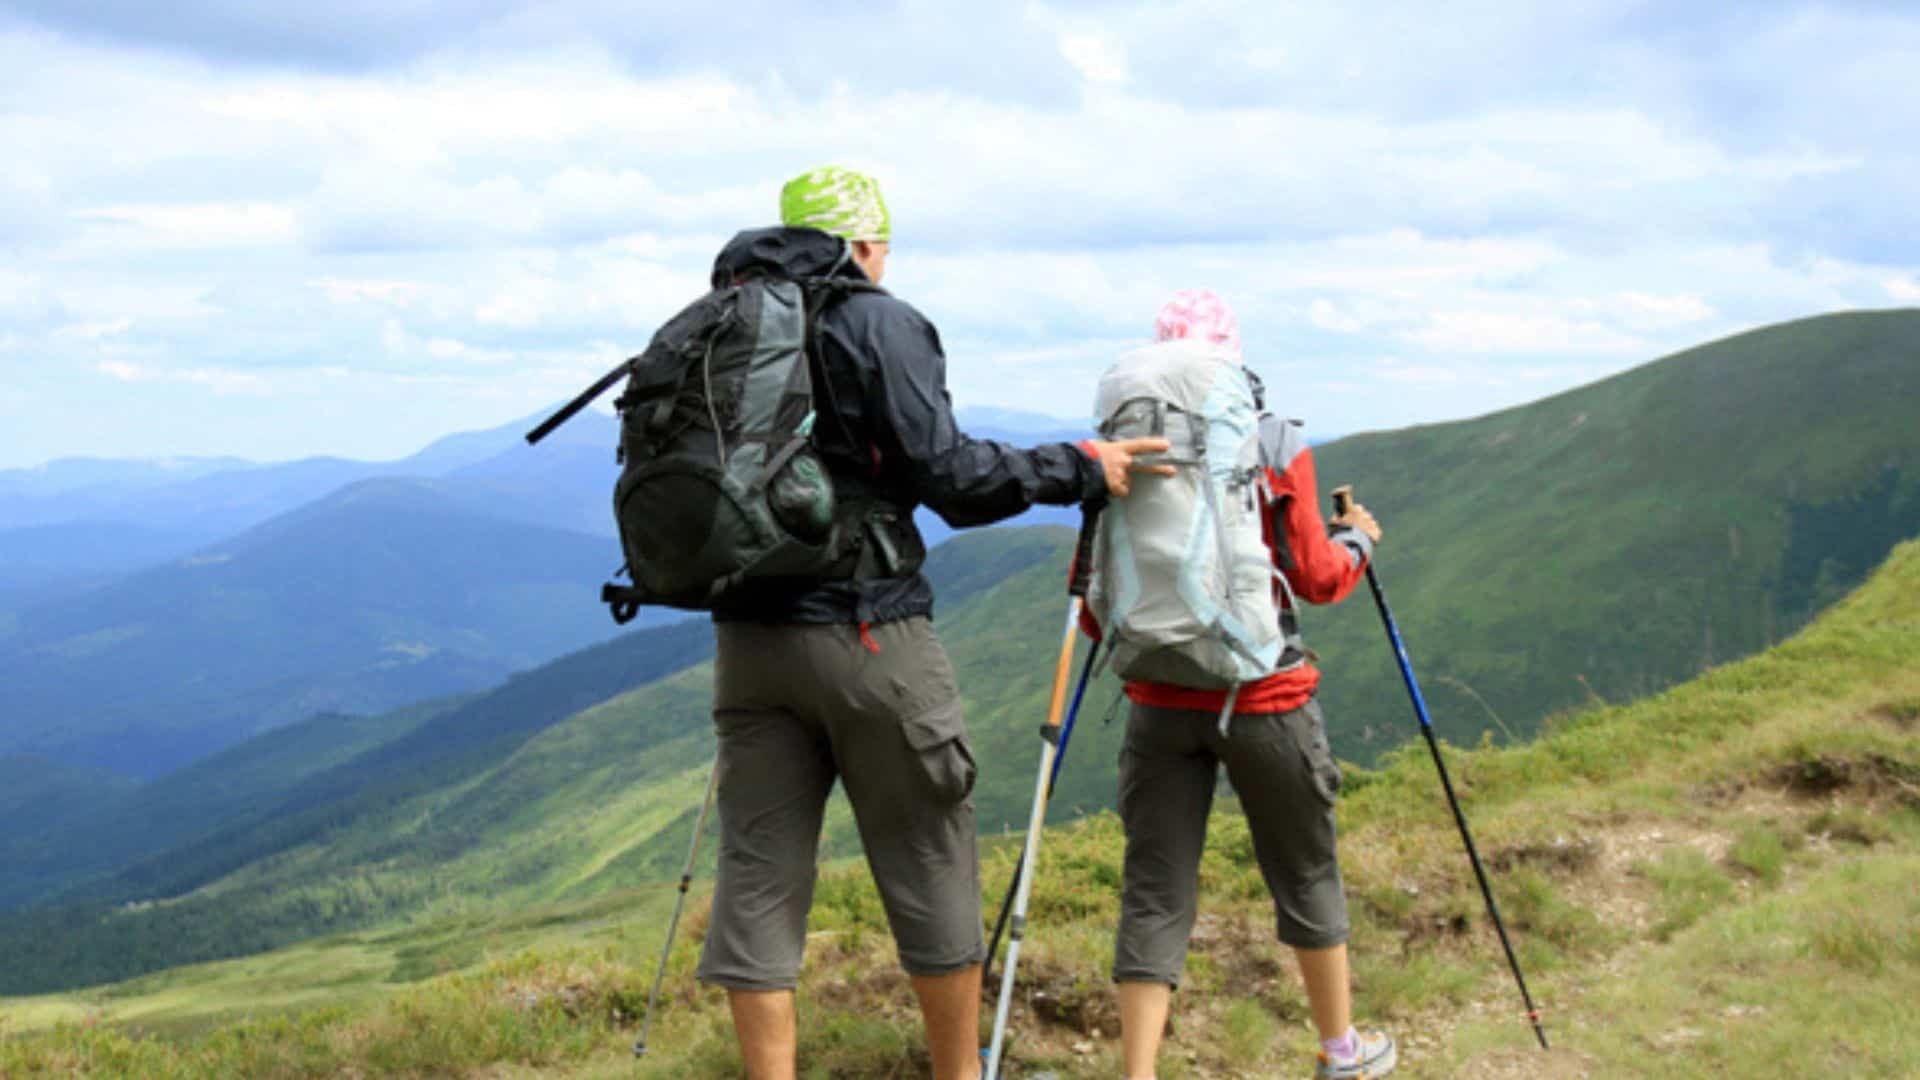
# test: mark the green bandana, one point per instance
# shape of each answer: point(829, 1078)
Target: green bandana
point(839, 201)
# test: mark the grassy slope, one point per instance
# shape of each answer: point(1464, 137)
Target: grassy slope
point(1618, 538)
point(36, 793)
point(423, 597)
point(1610, 600)
point(448, 752)
point(1715, 881)
point(113, 825)
point(378, 800)
point(604, 798)
point(530, 794)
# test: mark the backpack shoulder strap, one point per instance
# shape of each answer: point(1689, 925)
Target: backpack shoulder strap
point(1280, 441)
point(821, 293)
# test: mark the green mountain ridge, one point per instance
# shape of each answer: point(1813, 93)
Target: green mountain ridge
point(469, 804)
point(1541, 558)
point(452, 749)
point(384, 593)
point(1715, 881)
point(1615, 539)
point(37, 794)
point(116, 822)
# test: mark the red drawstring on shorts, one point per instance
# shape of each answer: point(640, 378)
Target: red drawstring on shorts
point(866, 638)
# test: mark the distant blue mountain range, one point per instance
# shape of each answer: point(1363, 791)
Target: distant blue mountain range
point(154, 613)
point(86, 520)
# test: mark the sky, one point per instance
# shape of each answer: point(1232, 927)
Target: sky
point(271, 231)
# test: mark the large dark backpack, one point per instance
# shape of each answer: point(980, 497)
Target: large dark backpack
point(721, 483)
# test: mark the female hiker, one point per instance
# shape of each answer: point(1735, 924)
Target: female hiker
point(1264, 726)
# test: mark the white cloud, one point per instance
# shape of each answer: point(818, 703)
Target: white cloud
point(162, 227)
point(1668, 309)
point(551, 99)
point(368, 207)
point(138, 298)
point(219, 380)
point(1394, 370)
point(1097, 59)
point(450, 349)
point(1482, 331)
point(346, 291)
point(1906, 290)
point(1328, 315)
point(502, 212)
point(94, 331)
point(19, 291)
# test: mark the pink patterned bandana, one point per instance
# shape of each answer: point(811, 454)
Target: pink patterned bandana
point(1199, 314)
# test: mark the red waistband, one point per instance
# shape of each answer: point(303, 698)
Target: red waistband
point(1280, 692)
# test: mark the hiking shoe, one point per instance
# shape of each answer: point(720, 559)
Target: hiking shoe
point(1377, 1058)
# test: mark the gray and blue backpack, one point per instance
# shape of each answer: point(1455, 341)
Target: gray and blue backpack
point(1184, 583)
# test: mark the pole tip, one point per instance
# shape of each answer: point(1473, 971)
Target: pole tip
point(639, 1049)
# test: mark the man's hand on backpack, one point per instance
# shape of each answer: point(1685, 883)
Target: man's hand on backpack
point(1357, 517)
point(1117, 460)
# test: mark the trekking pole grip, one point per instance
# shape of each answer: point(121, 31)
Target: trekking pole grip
point(1082, 575)
point(1342, 500)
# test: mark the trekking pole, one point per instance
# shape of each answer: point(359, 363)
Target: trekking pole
point(1049, 747)
point(1059, 758)
point(686, 879)
point(1342, 500)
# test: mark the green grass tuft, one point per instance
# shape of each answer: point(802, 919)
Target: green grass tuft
point(1407, 985)
point(1690, 886)
point(1850, 825)
point(1761, 851)
point(1247, 1028)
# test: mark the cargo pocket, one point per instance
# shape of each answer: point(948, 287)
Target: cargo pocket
point(1310, 732)
point(942, 760)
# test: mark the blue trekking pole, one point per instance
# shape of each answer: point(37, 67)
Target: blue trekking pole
point(1053, 741)
point(1342, 501)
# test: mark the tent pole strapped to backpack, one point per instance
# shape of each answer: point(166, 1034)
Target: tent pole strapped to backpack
point(1050, 744)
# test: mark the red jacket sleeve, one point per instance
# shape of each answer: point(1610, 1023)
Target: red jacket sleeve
point(1324, 569)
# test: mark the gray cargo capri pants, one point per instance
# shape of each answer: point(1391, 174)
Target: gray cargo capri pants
point(797, 706)
point(1284, 772)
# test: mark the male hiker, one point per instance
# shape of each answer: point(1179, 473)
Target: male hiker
point(1264, 726)
point(843, 678)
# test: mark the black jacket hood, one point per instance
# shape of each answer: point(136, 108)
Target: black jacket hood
point(784, 252)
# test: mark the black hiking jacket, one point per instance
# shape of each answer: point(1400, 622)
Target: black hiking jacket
point(885, 430)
